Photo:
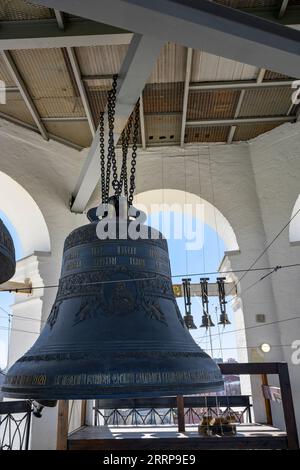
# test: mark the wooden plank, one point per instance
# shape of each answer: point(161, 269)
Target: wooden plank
point(170, 402)
point(102, 438)
point(180, 411)
point(288, 406)
point(245, 368)
point(62, 425)
point(83, 412)
point(265, 383)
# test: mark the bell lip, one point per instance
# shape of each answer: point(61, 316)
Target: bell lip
point(116, 394)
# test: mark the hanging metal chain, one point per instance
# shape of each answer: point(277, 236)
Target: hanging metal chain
point(102, 156)
point(111, 164)
point(111, 156)
point(125, 137)
point(134, 153)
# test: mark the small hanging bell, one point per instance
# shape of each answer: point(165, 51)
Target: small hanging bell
point(188, 317)
point(224, 320)
point(206, 322)
point(189, 322)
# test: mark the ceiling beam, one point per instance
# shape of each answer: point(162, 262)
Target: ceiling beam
point(82, 91)
point(199, 24)
point(241, 84)
point(60, 19)
point(232, 122)
point(39, 34)
point(188, 68)
point(283, 8)
point(136, 69)
point(14, 72)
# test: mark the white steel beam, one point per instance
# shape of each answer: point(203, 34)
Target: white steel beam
point(40, 34)
point(60, 19)
point(136, 68)
point(240, 84)
point(199, 24)
point(283, 8)
point(81, 88)
point(189, 57)
point(233, 122)
point(12, 68)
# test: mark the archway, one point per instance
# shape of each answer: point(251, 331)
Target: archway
point(185, 202)
point(193, 259)
point(29, 229)
point(25, 215)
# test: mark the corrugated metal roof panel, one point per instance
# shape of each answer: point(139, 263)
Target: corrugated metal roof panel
point(45, 72)
point(49, 83)
point(208, 67)
point(16, 107)
point(269, 75)
point(265, 102)
point(163, 97)
point(162, 129)
point(100, 60)
point(14, 10)
point(4, 74)
point(170, 65)
point(97, 100)
point(63, 106)
point(212, 104)
point(207, 134)
point(249, 131)
point(77, 132)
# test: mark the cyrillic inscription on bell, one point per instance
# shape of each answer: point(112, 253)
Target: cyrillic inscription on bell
point(115, 329)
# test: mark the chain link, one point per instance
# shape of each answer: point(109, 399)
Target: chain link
point(111, 156)
point(102, 156)
point(134, 152)
point(111, 164)
point(126, 134)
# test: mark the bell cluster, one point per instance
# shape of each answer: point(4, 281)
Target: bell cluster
point(206, 317)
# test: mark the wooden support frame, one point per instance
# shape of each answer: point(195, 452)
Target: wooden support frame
point(180, 411)
point(62, 425)
point(272, 368)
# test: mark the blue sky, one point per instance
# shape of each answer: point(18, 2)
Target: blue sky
point(182, 262)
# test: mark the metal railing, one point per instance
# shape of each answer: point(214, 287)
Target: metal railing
point(15, 421)
point(161, 411)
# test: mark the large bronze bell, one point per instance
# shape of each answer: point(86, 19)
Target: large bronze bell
point(114, 330)
point(7, 254)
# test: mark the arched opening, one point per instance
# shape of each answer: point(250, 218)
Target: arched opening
point(198, 237)
point(188, 203)
point(25, 215)
point(30, 234)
